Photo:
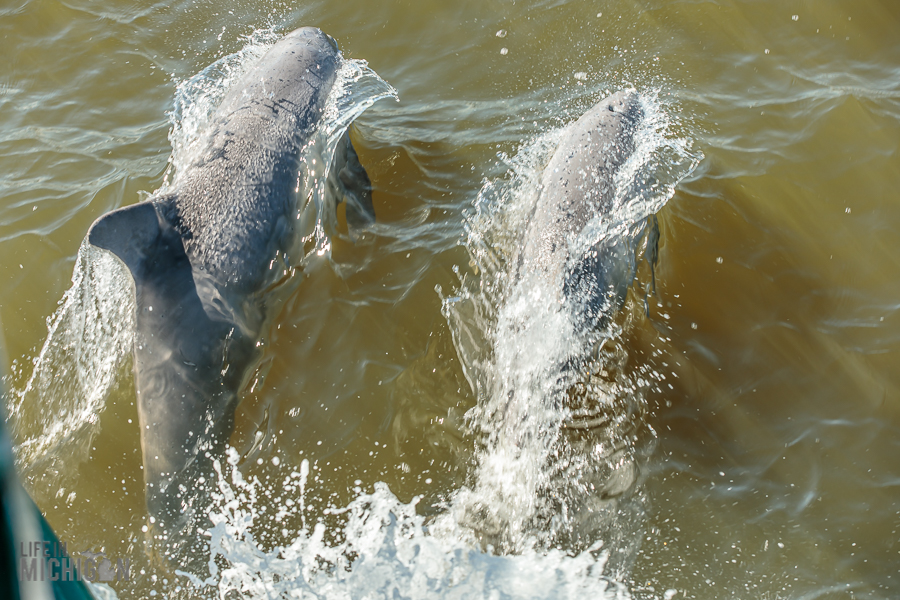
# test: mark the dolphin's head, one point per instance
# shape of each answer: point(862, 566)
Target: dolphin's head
point(628, 114)
point(312, 36)
point(598, 279)
point(624, 102)
point(578, 185)
point(596, 145)
point(286, 90)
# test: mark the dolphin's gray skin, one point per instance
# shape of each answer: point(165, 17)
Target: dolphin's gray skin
point(201, 258)
point(580, 277)
point(577, 185)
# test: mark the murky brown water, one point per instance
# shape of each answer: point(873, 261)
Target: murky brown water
point(776, 472)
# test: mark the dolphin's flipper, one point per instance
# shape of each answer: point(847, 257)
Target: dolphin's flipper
point(130, 233)
point(653, 249)
point(349, 182)
point(598, 282)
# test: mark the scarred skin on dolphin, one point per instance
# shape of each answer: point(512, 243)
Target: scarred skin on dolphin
point(577, 185)
point(201, 257)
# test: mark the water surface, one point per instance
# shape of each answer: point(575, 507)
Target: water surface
point(767, 350)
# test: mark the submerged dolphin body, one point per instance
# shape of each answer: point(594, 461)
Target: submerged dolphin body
point(202, 258)
point(577, 185)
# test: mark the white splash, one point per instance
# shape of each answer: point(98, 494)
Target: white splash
point(55, 416)
point(386, 552)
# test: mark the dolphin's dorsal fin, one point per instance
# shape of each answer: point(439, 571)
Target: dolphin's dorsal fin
point(350, 183)
point(130, 233)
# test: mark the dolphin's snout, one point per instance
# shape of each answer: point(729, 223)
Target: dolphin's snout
point(313, 35)
point(624, 101)
point(306, 32)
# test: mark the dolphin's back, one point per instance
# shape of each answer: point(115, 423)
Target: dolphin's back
point(236, 202)
point(578, 182)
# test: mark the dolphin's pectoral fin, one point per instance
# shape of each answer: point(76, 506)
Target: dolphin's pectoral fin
point(598, 282)
point(653, 249)
point(349, 182)
point(652, 255)
point(128, 232)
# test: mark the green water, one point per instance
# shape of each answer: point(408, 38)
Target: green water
point(776, 316)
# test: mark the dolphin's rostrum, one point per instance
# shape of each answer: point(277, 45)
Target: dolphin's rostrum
point(202, 254)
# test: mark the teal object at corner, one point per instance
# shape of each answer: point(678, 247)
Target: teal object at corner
point(21, 526)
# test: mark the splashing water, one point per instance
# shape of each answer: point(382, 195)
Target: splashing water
point(560, 447)
point(548, 496)
point(54, 417)
point(385, 552)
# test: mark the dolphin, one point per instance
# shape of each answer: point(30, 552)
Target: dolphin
point(204, 259)
point(575, 250)
point(567, 278)
point(578, 184)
